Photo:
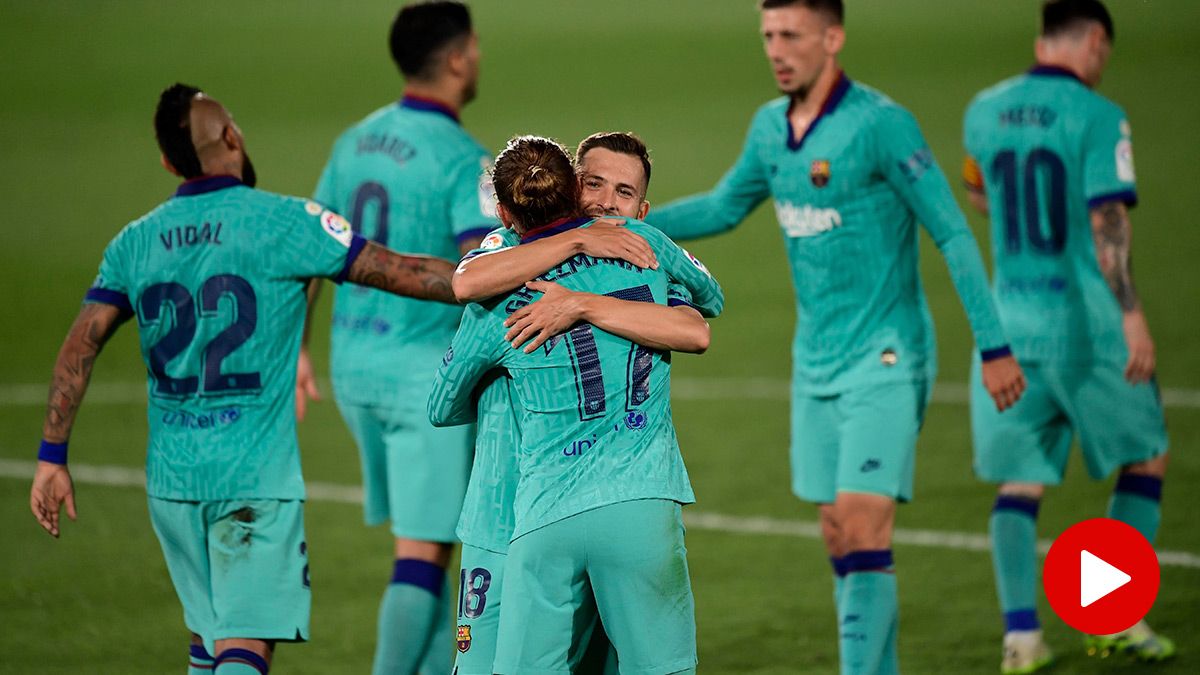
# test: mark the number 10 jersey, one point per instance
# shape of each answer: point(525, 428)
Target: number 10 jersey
point(215, 277)
point(1049, 149)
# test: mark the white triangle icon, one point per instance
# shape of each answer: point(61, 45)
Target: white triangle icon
point(1097, 578)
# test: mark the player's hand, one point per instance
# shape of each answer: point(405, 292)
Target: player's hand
point(1140, 367)
point(51, 487)
point(306, 384)
point(608, 238)
point(1004, 381)
point(555, 312)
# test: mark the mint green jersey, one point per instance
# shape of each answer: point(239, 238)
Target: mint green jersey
point(216, 278)
point(848, 196)
point(595, 417)
point(487, 519)
point(1050, 149)
point(409, 177)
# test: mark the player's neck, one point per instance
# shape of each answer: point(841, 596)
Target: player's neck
point(446, 93)
point(806, 105)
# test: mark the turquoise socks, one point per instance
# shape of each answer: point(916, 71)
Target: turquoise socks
point(1136, 501)
point(200, 662)
point(408, 616)
point(868, 612)
point(1013, 530)
point(240, 662)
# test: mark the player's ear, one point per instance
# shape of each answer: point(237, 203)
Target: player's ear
point(231, 138)
point(643, 210)
point(504, 216)
point(835, 39)
point(166, 164)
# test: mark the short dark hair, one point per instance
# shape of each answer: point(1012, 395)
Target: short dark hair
point(535, 181)
point(833, 8)
point(624, 142)
point(173, 128)
point(1062, 16)
point(421, 31)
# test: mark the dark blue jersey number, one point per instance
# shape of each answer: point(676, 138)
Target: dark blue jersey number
point(589, 380)
point(183, 331)
point(1044, 177)
point(472, 592)
point(369, 193)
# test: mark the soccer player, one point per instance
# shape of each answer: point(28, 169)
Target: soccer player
point(1051, 161)
point(216, 278)
point(411, 177)
point(852, 176)
point(597, 508)
point(614, 174)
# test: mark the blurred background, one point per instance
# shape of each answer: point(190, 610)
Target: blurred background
point(78, 85)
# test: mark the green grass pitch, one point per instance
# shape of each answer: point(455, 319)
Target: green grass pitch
point(78, 82)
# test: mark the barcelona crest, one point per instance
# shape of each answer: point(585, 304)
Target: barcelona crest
point(464, 638)
point(819, 172)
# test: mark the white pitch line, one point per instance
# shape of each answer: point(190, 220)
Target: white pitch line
point(120, 476)
point(682, 389)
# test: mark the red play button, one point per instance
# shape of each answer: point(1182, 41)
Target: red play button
point(1101, 576)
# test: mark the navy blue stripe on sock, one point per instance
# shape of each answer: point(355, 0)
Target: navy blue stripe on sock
point(199, 652)
point(419, 573)
point(839, 566)
point(243, 656)
point(867, 561)
point(1027, 505)
point(1149, 487)
point(1021, 619)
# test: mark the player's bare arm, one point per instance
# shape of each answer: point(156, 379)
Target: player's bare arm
point(493, 273)
point(1112, 234)
point(679, 329)
point(414, 276)
point(94, 325)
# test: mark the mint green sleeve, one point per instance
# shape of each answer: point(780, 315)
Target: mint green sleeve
point(474, 351)
point(111, 286)
point(311, 241)
point(1108, 159)
point(739, 191)
point(472, 199)
point(910, 168)
point(685, 269)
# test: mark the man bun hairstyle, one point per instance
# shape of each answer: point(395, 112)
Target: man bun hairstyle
point(422, 31)
point(173, 128)
point(535, 181)
point(624, 142)
point(1060, 17)
point(831, 8)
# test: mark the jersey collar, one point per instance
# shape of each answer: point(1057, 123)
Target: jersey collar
point(556, 227)
point(1054, 71)
point(414, 102)
point(202, 184)
point(835, 96)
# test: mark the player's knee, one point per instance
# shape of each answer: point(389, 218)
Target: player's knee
point(1156, 467)
point(830, 532)
point(435, 552)
point(1032, 491)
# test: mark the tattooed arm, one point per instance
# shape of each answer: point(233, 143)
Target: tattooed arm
point(93, 327)
point(414, 276)
point(1113, 234)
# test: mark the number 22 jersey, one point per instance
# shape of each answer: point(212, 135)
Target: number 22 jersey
point(215, 277)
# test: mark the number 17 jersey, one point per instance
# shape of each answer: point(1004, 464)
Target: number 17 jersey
point(1047, 149)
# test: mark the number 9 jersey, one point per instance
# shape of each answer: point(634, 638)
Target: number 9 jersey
point(216, 278)
point(1047, 149)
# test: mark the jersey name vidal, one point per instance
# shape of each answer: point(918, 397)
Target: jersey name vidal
point(215, 278)
point(1049, 149)
point(409, 177)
